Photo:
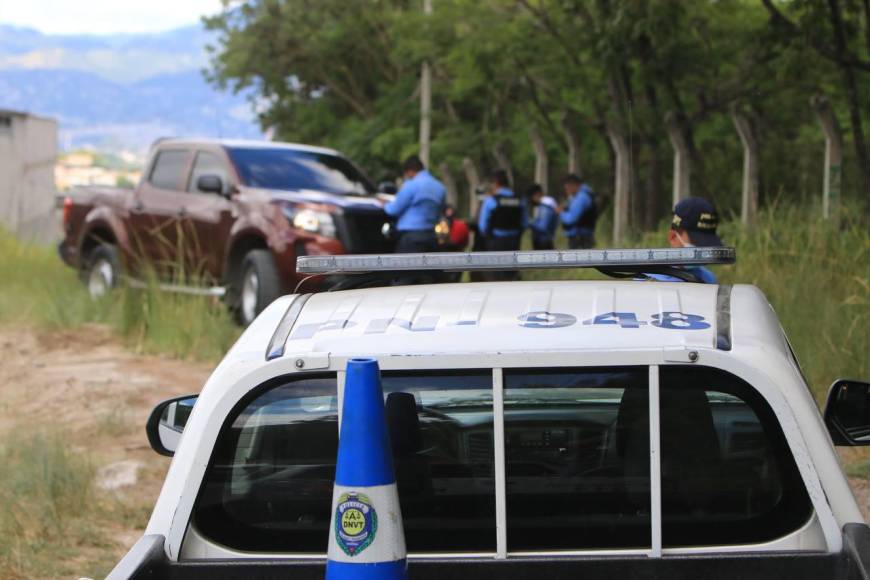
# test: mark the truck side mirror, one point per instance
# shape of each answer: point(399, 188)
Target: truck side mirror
point(847, 412)
point(166, 423)
point(388, 187)
point(210, 184)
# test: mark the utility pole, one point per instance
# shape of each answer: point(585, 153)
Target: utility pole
point(425, 101)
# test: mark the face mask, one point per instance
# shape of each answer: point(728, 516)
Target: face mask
point(684, 243)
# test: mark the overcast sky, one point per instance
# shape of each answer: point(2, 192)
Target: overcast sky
point(104, 16)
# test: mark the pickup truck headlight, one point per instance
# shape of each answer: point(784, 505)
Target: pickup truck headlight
point(311, 220)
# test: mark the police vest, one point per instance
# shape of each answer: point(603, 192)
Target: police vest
point(590, 216)
point(507, 214)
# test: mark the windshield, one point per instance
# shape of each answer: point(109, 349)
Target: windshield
point(294, 170)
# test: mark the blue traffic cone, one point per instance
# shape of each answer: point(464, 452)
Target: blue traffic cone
point(366, 540)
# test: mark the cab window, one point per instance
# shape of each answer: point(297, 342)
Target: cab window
point(269, 485)
point(577, 459)
point(207, 164)
point(728, 476)
point(169, 169)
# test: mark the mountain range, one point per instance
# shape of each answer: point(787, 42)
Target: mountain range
point(120, 91)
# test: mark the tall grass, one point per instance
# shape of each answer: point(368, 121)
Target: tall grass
point(36, 288)
point(46, 496)
point(816, 276)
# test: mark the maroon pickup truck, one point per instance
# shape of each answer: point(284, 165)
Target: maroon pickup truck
point(224, 218)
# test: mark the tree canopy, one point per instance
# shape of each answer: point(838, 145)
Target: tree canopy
point(345, 73)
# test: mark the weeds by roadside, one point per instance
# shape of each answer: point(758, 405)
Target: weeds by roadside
point(46, 500)
point(38, 289)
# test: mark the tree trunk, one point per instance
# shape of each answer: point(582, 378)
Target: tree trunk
point(833, 156)
point(851, 83)
point(503, 161)
point(682, 159)
point(541, 162)
point(473, 179)
point(622, 183)
point(449, 184)
point(572, 140)
point(748, 137)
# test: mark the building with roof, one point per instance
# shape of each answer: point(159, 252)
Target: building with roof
point(28, 148)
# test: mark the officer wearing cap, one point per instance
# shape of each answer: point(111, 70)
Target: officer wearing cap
point(694, 224)
point(418, 206)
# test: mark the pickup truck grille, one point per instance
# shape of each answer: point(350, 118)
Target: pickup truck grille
point(360, 231)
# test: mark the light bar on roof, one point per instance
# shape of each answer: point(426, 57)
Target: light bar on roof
point(632, 259)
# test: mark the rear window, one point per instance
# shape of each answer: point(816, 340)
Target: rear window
point(577, 459)
point(269, 486)
point(169, 169)
point(728, 476)
point(576, 470)
point(295, 170)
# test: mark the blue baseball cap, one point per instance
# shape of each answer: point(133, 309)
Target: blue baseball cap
point(698, 217)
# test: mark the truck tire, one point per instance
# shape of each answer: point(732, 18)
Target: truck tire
point(258, 286)
point(103, 270)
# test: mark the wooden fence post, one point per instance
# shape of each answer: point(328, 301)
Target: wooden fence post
point(833, 157)
point(748, 137)
point(682, 160)
point(541, 162)
point(622, 185)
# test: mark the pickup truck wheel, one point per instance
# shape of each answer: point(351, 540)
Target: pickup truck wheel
point(259, 285)
point(103, 270)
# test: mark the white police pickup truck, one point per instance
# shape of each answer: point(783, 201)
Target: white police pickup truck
point(588, 429)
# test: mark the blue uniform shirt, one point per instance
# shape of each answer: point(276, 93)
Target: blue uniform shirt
point(546, 220)
point(419, 203)
point(580, 204)
point(703, 274)
point(489, 205)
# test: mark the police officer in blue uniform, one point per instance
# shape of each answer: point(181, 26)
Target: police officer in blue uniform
point(580, 216)
point(545, 218)
point(503, 216)
point(503, 219)
point(418, 206)
point(694, 224)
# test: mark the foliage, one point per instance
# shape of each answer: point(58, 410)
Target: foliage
point(345, 74)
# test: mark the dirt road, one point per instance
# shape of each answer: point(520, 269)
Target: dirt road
point(87, 386)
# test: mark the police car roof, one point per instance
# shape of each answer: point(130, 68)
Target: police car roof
point(521, 317)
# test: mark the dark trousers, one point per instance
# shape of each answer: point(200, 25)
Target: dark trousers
point(581, 242)
point(502, 244)
point(543, 244)
point(413, 242)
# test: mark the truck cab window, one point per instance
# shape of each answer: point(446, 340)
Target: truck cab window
point(169, 168)
point(268, 487)
point(577, 459)
point(728, 476)
point(207, 164)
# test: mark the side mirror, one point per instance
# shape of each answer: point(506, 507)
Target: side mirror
point(847, 412)
point(210, 184)
point(166, 423)
point(388, 187)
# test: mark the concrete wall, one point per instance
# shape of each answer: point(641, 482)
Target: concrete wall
point(28, 149)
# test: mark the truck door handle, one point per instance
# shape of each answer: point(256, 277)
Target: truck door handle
point(138, 207)
point(182, 212)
